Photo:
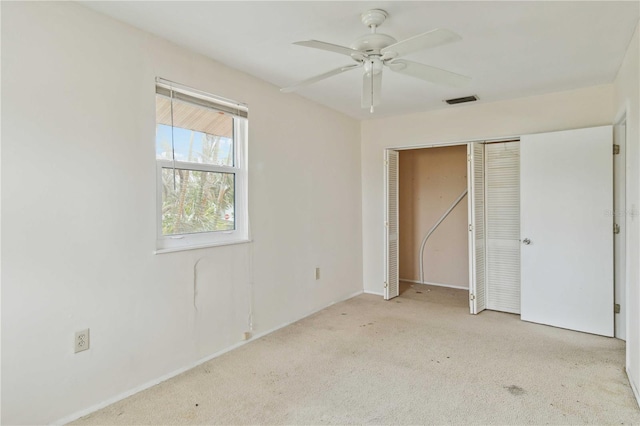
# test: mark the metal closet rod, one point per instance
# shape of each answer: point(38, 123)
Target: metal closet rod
point(443, 217)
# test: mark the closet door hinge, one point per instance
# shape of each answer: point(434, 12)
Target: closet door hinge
point(470, 227)
point(616, 149)
point(616, 228)
point(386, 285)
point(469, 157)
point(472, 296)
point(386, 162)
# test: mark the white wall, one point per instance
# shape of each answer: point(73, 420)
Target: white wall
point(557, 111)
point(78, 214)
point(627, 102)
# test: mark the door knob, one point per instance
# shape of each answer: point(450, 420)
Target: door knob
point(526, 241)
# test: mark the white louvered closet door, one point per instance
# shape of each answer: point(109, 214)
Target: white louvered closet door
point(477, 278)
point(502, 219)
point(391, 285)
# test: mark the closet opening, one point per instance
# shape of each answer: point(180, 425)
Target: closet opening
point(458, 223)
point(433, 237)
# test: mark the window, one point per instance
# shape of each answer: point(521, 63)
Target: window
point(201, 143)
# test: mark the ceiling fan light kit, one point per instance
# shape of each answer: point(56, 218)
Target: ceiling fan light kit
point(375, 50)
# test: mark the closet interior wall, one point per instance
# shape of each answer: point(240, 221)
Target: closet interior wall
point(430, 180)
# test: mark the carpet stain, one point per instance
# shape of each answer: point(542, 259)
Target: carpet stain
point(515, 390)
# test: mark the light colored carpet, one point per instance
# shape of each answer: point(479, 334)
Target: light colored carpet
point(418, 359)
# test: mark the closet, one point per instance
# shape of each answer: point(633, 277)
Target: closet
point(433, 225)
point(539, 226)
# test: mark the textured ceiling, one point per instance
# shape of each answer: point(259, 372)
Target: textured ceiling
point(511, 49)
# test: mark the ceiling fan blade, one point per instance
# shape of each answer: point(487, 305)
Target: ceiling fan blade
point(328, 46)
point(319, 77)
point(428, 73)
point(423, 41)
point(371, 88)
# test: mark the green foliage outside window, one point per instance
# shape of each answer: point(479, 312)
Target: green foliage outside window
point(194, 200)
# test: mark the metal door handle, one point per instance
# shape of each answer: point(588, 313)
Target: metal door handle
point(526, 241)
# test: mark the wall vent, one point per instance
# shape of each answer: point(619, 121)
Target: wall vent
point(461, 100)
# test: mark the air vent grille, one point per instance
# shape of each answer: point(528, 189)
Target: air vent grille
point(471, 98)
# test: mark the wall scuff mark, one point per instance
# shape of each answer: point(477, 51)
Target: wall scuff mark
point(195, 283)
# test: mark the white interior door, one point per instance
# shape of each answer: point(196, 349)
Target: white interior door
point(477, 260)
point(502, 210)
point(567, 229)
point(391, 284)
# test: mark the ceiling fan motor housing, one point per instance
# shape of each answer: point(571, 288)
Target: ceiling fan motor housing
point(373, 43)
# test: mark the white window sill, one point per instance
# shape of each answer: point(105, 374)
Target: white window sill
point(200, 246)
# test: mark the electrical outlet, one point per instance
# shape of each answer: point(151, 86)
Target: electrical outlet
point(82, 341)
point(317, 273)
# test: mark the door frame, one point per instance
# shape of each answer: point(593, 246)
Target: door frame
point(620, 251)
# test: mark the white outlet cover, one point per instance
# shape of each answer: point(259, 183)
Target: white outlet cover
point(81, 342)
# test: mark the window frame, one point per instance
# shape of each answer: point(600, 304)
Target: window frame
point(190, 241)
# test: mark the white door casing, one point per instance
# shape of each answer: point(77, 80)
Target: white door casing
point(567, 229)
point(619, 218)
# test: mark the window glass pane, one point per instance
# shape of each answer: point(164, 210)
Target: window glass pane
point(200, 135)
point(198, 202)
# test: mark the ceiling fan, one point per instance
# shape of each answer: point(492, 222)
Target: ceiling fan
point(374, 51)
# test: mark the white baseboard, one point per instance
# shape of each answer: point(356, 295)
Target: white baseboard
point(633, 387)
point(374, 293)
point(436, 284)
point(147, 385)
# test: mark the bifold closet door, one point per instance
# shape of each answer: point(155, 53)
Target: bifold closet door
point(566, 224)
point(502, 212)
point(477, 260)
point(391, 284)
